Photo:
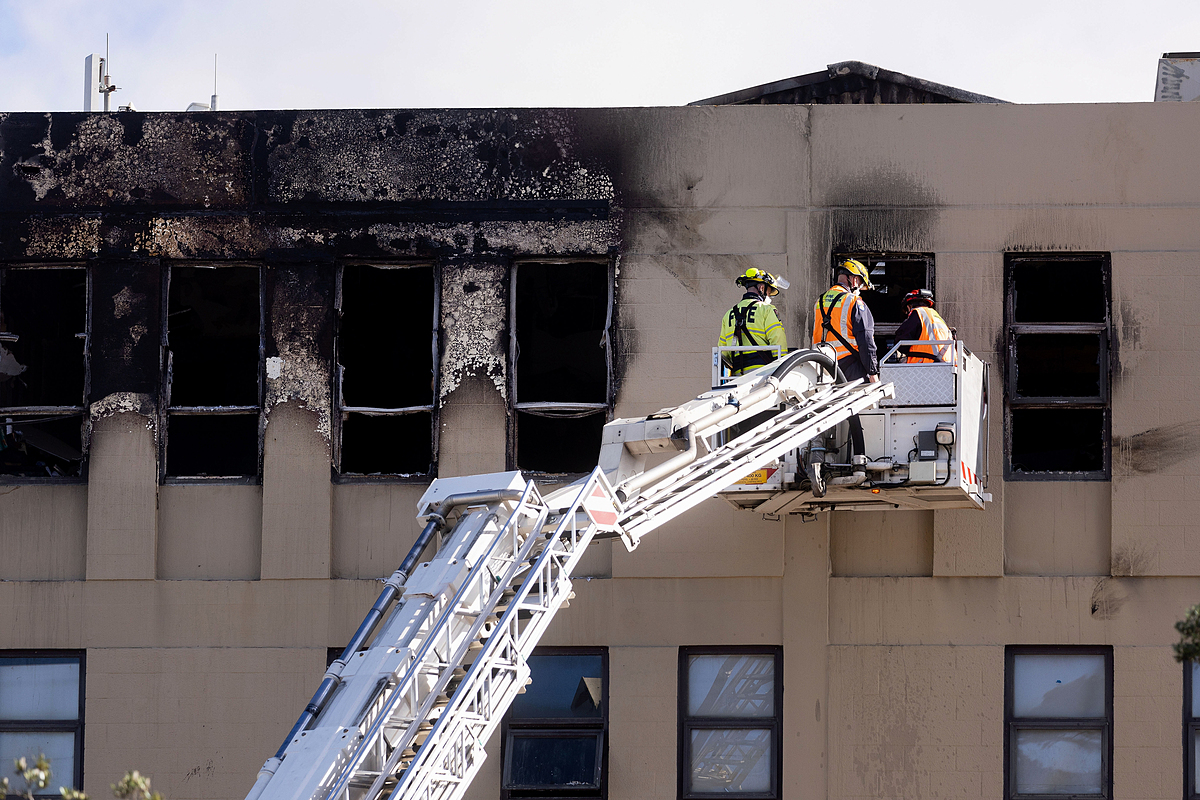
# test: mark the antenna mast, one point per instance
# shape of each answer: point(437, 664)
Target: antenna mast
point(106, 87)
point(212, 106)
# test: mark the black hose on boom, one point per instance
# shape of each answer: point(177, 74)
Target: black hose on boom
point(799, 357)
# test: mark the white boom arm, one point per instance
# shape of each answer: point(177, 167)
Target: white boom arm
point(408, 708)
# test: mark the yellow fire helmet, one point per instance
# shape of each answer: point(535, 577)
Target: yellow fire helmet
point(856, 268)
point(755, 275)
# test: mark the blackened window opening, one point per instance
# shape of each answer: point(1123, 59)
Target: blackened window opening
point(1057, 377)
point(385, 352)
point(43, 341)
point(1059, 291)
point(892, 277)
point(213, 333)
point(214, 340)
point(1059, 365)
point(561, 310)
point(212, 446)
point(1057, 439)
point(558, 444)
point(387, 368)
point(46, 308)
point(386, 444)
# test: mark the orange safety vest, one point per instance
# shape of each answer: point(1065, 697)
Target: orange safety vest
point(933, 328)
point(835, 307)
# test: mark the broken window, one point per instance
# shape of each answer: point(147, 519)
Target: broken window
point(730, 721)
point(1058, 366)
point(893, 275)
point(213, 345)
point(386, 370)
point(554, 737)
point(1058, 719)
point(43, 354)
point(561, 313)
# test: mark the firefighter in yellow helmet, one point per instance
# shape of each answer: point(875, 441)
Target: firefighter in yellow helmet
point(842, 319)
point(927, 325)
point(754, 321)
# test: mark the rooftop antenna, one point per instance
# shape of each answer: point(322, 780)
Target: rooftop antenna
point(213, 105)
point(106, 86)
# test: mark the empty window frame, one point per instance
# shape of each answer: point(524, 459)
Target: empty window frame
point(41, 712)
point(561, 363)
point(893, 275)
point(554, 742)
point(213, 354)
point(1058, 720)
point(43, 372)
point(730, 721)
point(387, 366)
point(1191, 729)
point(1057, 370)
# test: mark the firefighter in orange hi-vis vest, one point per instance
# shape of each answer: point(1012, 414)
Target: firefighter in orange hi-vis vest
point(927, 325)
point(842, 319)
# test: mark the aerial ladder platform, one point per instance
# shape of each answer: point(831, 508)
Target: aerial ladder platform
point(406, 711)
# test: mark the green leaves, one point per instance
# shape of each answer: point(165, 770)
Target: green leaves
point(1188, 648)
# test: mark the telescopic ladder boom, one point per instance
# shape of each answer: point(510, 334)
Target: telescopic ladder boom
point(406, 711)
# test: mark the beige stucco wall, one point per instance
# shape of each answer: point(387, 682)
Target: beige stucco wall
point(893, 625)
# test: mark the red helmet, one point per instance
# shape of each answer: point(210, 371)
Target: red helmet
point(918, 297)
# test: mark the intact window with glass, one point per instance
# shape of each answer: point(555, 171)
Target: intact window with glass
point(893, 275)
point(1058, 722)
point(554, 735)
point(387, 356)
point(213, 348)
point(1191, 729)
point(1058, 330)
point(730, 721)
point(561, 367)
point(43, 371)
point(41, 712)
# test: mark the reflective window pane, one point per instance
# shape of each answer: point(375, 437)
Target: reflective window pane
point(731, 686)
point(38, 689)
point(1058, 686)
point(563, 686)
point(1058, 762)
point(58, 747)
point(538, 762)
point(1196, 757)
point(1195, 668)
point(729, 760)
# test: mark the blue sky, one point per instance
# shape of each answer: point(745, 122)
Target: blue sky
point(470, 53)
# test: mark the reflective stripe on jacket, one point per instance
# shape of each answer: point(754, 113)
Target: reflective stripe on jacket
point(762, 327)
point(838, 303)
point(933, 328)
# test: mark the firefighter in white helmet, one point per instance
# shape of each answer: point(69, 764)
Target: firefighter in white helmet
point(753, 322)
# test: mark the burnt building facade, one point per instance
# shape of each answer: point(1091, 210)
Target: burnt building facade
point(238, 346)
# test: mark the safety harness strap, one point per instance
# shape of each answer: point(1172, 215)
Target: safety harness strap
point(827, 322)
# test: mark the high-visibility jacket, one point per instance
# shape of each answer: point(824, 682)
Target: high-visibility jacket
point(836, 305)
point(933, 328)
point(751, 322)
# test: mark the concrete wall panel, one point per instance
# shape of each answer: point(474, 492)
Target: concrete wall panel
point(297, 497)
point(209, 532)
point(916, 722)
point(44, 530)
point(884, 155)
point(122, 498)
point(712, 540)
point(196, 720)
point(643, 722)
point(1147, 692)
point(1057, 528)
point(374, 526)
point(881, 542)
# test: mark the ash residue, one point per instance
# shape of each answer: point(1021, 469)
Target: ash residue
point(1155, 449)
point(298, 360)
point(475, 321)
